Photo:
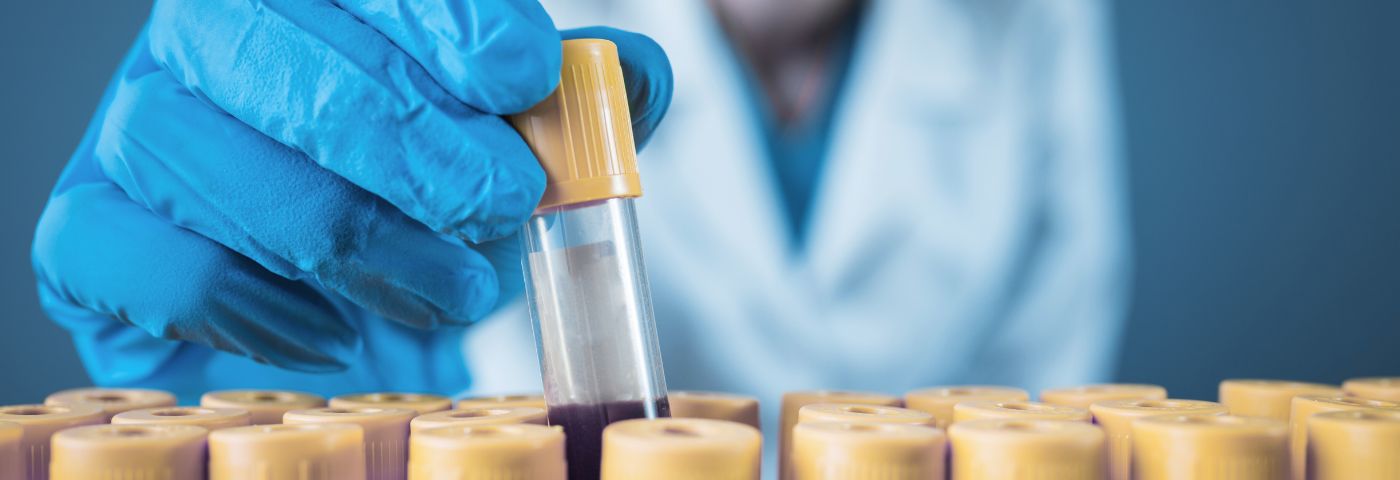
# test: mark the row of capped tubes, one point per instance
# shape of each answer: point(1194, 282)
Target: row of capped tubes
point(1277, 385)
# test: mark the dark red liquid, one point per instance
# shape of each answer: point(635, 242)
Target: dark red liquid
point(583, 431)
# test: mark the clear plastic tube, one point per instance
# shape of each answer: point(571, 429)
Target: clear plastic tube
point(591, 306)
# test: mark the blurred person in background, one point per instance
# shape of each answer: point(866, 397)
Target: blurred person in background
point(874, 195)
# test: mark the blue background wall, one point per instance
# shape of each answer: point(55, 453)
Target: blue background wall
point(1264, 142)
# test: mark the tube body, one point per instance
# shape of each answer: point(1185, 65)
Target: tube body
point(591, 308)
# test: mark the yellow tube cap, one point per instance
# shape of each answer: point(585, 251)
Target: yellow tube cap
point(994, 449)
point(1209, 447)
point(487, 452)
point(265, 407)
point(1353, 444)
point(1305, 406)
point(113, 400)
point(1375, 388)
point(1085, 395)
point(146, 452)
point(1017, 410)
point(715, 406)
point(582, 133)
point(1116, 417)
point(794, 401)
point(867, 451)
point(681, 449)
point(939, 401)
point(37, 424)
point(385, 435)
point(10, 464)
point(418, 402)
point(288, 452)
point(210, 418)
point(1268, 398)
point(851, 412)
point(479, 416)
point(528, 400)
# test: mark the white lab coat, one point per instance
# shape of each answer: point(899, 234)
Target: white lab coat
point(969, 226)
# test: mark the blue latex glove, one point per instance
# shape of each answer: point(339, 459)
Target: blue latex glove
point(313, 185)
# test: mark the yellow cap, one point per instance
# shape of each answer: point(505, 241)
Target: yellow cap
point(715, 406)
point(288, 452)
point(418, 402)
point(531, 400)
point(867, 451)
point(10, 434)
point(582, 133)
point(385, 434)
point(939, 401)
point(113, 400)
point(1017, 410)
point(681, 449)
point(794, 401)
point(1353, 444)
point(1305, 406)
point(1116, 417)
point(1267, 398)
point(38, 423)
point(1209, 447)
point(487, 452)
point(852, 412)
point(1375, 388)
point(1085, 395)
point(265, 407)
point(210, 418)
point(480, 416)
point(154, 452)
point(995, 449)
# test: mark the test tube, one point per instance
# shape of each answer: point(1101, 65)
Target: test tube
point(584, 278)
point(10, 459)
point(498, 401)
point(1117, 416)
point(1085, 395)
point(1017, 410)
point(792, 405)
point(37, 425)
point(265, 407)
point(681, 449)
point(128, 452)
point(1267, 398)
point(419, 403)
point(939, 401)
point(1305, 406)
point(276, 452)
point(1353, 444)
point(854, 412)
point(113, 400)
point(715, 406)
point(478, 416)
point(1015, 448)
point(867, 451)
point(210, 418)
point(1374, 388)
point(1209, 447)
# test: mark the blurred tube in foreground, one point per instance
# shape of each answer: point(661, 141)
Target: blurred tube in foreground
point(1354, 445)
point(681, 449)
point(1011, 449)
point(137, 452)
point(939, 401)
point(1209, 447)
point(867, 451)
point(515, 452)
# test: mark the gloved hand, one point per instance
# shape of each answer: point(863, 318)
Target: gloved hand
point(273, 179)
